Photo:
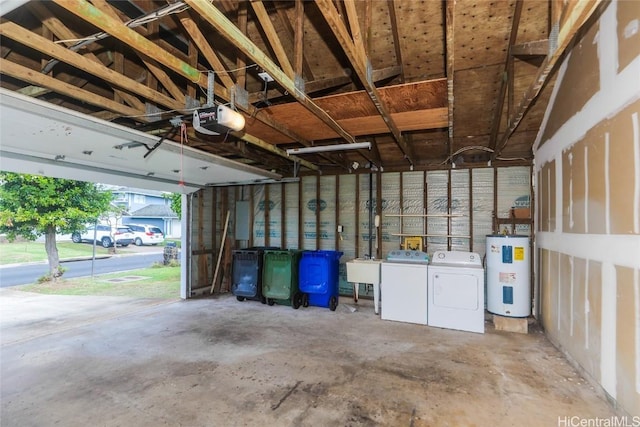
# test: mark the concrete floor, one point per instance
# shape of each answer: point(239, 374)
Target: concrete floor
point(104, 361)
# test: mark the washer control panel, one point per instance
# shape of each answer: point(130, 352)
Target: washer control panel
point(408, 256)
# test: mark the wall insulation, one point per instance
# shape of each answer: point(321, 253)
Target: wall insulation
point(327, 228)
point(482, 212)
point(291, 216)
point(588, 206)
point(305, 215)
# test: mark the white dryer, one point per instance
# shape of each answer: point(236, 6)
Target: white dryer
point(456, 291)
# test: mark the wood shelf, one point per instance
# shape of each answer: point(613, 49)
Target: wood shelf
point(426, 215)
point(430, 235)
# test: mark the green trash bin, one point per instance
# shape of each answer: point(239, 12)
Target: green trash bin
point(280, 278)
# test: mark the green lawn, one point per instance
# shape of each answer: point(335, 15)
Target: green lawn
point(20, 252)
point(158, 282)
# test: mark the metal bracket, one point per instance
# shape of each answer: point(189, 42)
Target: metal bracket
point(299, 83)
point(240, 96)
point(152, 112)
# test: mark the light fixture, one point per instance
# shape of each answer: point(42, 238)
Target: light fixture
point(323, 148)
point(215, 120)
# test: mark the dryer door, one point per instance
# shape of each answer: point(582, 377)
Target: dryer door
point(456, 291)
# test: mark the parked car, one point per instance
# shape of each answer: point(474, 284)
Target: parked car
point(105, 235)
point(145, 234)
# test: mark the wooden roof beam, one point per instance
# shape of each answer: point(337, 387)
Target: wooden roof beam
point(209, 54)
point(354, 49)
point(37, 78)
point(396, 38)
point(226, 28)
point(296, 37)
point(329, 83)
point(117, 29)
point(534, 48)
point(507, 76)
point(272, 37)
point(158, 72)
point(575, 15)
point(450, 59)
point(212, 15)
point(95, 67)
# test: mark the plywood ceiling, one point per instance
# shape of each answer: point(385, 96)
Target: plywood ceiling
point(425, 81)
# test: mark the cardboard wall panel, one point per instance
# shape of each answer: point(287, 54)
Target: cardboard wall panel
point(627, 335)
point(628, 32)
point(589, 151)
point(596, 155)
point(574, 201)
point(622, 142)
point(577, 87)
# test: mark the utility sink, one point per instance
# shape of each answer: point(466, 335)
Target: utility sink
point(361, 270)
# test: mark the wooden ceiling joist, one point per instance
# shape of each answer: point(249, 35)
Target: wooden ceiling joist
point(36, 78)
point(209, 54)
point(507, 76)
point(272, 37)
point(118, 30)
point(354, 49)
point(450, 26)
point(575, 15)
point(13, 31)
point(534, 48)
point(212, 15)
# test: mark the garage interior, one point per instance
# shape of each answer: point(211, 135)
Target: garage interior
point(470, 117)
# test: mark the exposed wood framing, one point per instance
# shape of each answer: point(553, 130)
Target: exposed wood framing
point(507, 76)
point(470, 210)
point(301, 65)
point(354, 49)
point(283, 216)
point(357, 215)
point(272, 37)
point(244, 44)
point(36, 78)
point(241, 60)
point(207, 51)
point(158, 72)
point(117, 29)
point(267, 216)
point(396, 38)
point(576, 14)
point(337, 212)
point(95, 67)
point(533, 48)
point(317, 212)
point(450, 26)
point(273, 149)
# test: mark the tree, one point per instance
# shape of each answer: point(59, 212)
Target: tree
point(176, 203)
point(32, 206)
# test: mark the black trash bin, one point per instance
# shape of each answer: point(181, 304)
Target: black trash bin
point(246, 274)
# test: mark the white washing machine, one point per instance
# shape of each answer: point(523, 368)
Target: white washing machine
point(403, 286)
point(456, 291)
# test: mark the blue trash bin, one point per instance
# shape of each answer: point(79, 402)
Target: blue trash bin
point(319, 278)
